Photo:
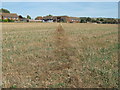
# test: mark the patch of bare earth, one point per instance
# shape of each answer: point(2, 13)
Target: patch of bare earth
point(62, 67)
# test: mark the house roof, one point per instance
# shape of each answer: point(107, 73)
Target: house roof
point(9, 15)
point(74, 18)
point(39, 17)
point(54, 17)
point(48, 17)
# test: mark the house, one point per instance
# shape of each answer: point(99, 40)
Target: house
point(48, 19)
point(61, 19)
point(39, 18)
point(55, 18)
point(10, 16)
point(44, 19)
point(74, 20)
point(31, 20)
point(23, 19)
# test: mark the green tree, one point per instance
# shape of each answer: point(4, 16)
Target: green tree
point(4, 11)
point(49, 15)
point(88, 19)
point(93, 20)
point(83, 19)
point(101, 19)
point(28, 17)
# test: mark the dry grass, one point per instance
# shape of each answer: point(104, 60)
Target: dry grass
point(50, 55)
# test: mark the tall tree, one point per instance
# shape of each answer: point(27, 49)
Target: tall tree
point(49, 15)
point(28, 17)
point(4, 10)
point(88, 19)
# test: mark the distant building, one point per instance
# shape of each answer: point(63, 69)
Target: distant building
point(23, 19)
point(10, 16)
point(47, 19)
point(74, 20)
point(39, 18)
point(61, 19)
point(31, 20)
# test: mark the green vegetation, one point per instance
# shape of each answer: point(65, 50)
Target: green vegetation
point(13, 86)
point(4, 11)
point(57, 85)
point(1, 20)
point(28, 17)
point(99, 20)
point(49, 15)
point(6, 20)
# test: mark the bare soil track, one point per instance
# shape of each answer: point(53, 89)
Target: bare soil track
point(64, 56)
point(62, 68)
point(62, 52)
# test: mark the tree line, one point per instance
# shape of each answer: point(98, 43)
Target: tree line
point(99, 20)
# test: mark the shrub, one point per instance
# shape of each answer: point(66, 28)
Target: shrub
point(1, 20)
point(5, 20)
point(4, 10)
point(12, 21)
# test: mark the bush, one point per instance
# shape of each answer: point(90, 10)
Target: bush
point(83, 21)
point(1, 20)
point(4, 10)
point(11, 21)
point(6, 20)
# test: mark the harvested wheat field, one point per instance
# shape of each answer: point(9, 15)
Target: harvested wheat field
point(51, 55)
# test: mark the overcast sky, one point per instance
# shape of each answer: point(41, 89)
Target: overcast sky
point(77, 9)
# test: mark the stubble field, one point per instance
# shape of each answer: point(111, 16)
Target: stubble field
point(71, 55)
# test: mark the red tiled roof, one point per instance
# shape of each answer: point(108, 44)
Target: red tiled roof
point(38, 18)
point(14, 15)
